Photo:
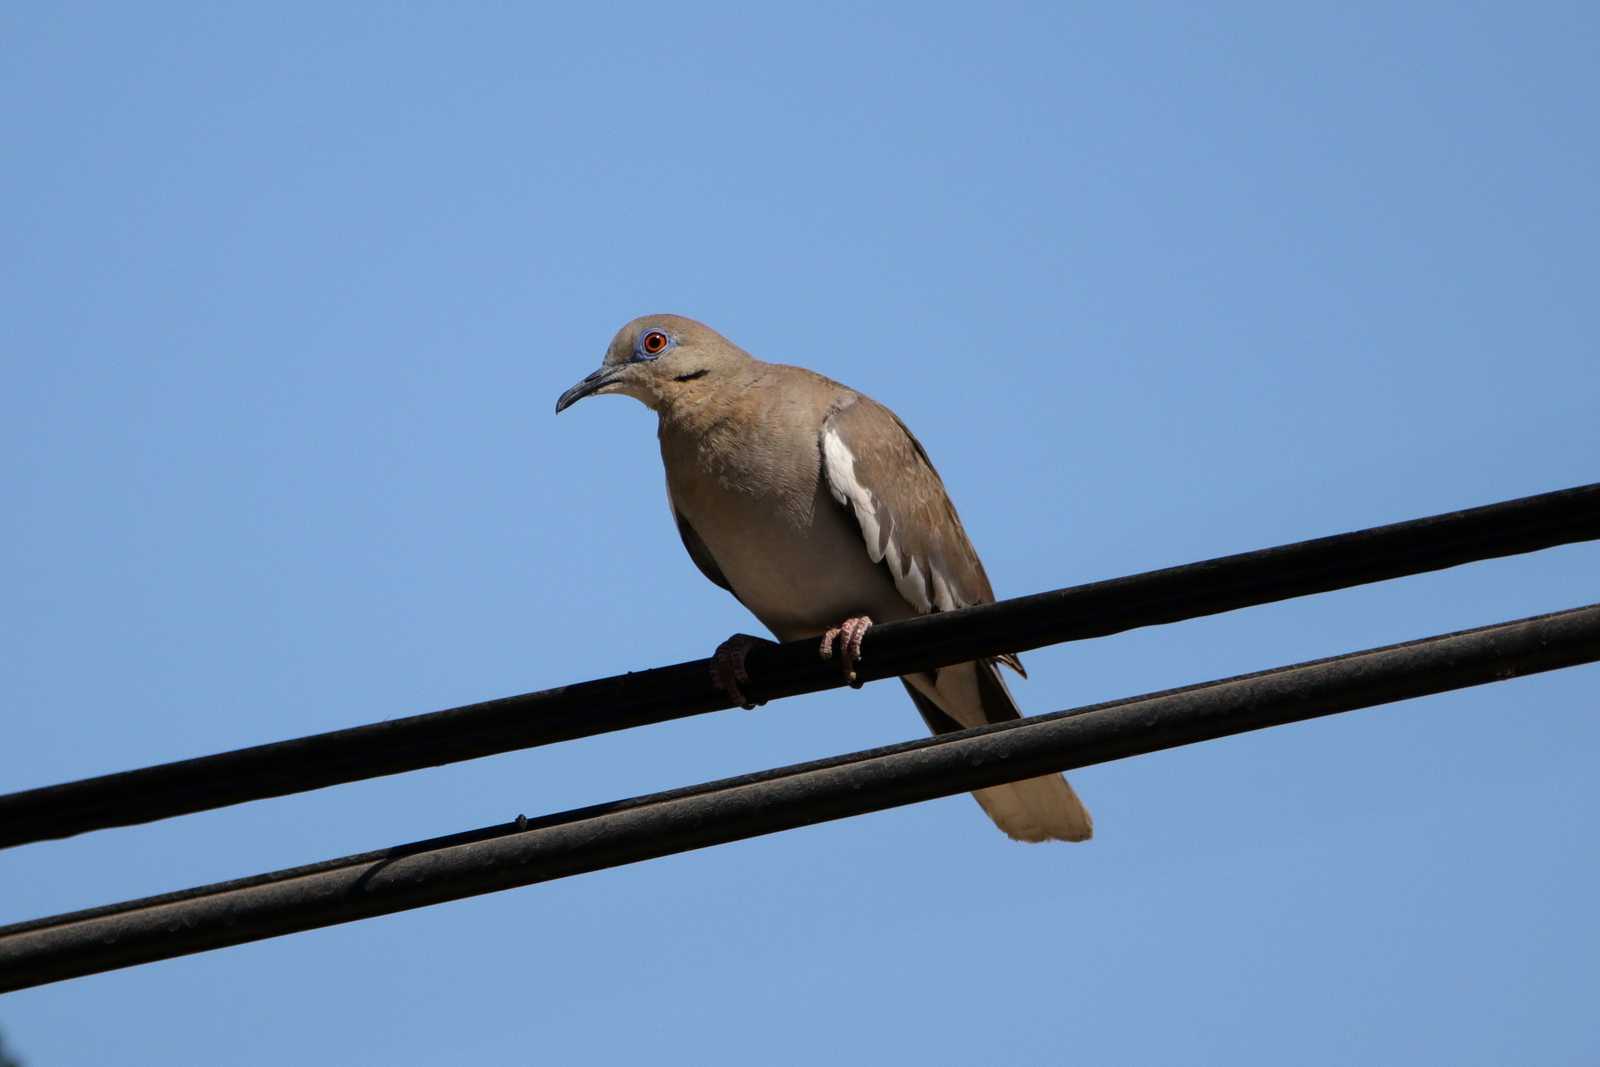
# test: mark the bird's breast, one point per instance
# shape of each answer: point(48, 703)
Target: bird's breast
point(793, 556)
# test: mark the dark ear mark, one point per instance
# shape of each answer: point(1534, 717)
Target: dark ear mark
point(692, 375)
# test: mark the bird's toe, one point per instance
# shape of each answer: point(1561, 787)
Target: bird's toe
point(728, 672)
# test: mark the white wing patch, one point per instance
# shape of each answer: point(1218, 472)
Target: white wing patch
point(877, 529)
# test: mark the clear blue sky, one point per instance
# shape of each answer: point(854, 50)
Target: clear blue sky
point(289, 292)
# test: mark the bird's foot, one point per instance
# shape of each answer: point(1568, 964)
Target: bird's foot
point(848, 634)
point(727, 668)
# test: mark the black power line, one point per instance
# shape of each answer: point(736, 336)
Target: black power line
point(590, 839)
point(684, 689)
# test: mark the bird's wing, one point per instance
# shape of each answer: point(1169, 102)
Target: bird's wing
point(696, 547)
point(880, 472)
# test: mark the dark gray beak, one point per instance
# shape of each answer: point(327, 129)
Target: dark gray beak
point(603, 376)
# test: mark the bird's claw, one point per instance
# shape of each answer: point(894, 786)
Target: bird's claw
point(727, 668)
point(848, 634)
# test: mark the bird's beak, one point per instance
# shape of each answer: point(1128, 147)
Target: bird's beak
point(593, 383)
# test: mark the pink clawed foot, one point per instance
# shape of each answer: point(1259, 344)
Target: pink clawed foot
point(727, 668)
point(849, 634)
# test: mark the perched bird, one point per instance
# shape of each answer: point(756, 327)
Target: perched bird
point(816, 507)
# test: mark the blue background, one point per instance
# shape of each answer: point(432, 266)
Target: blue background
point(288, 294)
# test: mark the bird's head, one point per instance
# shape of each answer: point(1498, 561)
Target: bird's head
point(659, 360)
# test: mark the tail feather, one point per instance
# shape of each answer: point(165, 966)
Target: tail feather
point(972, 694)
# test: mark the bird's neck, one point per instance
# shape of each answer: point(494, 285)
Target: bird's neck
point(696, 408)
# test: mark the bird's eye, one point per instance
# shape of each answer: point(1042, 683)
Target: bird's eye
point(653, 343)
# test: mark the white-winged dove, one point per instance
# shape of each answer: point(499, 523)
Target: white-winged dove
point(816, 507)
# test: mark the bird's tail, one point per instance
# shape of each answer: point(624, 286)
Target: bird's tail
point(972, 694)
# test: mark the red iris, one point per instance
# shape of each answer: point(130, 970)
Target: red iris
point(655, 342)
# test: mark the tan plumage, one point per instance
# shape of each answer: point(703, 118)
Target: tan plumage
point(813, 503)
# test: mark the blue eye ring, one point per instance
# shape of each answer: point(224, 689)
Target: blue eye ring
point(653, 344)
